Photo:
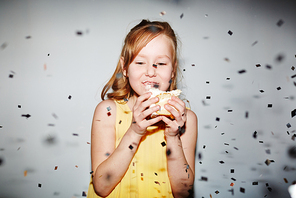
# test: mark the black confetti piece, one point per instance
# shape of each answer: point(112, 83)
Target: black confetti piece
point(254, 183)
point(69, 97)
point(28, 37)
point(39, 185)
point(293, 113)
point(242, 71)
point(19, 106)
point(217, 192)
point(75, 134)
point(258, 65)
point(254, 43)
point(242, 190)
point(217, 119)
point(278, 88)
point(247, 114)
point(293, 68)
point(91, 172)
point(26, 115)
point(1, 161)
point(208, 97)
point(181, 16)
point(83, 194)
point(230, 32)
point(280, 58)
point(233, 179)
point(156, 174)
point(131, 147)
point(292, 152)
point(288, 125)
point(261, 91)
point(231, 170)
point(10, 76)
point(221, 162)
point(269, 105)
point(79, 33)
point(280, 23)
point(227, 78)
point(120, 121)
point(293, 76)
point(255, 134)
point(204, 178)
point(163, 143)
point(268, 66)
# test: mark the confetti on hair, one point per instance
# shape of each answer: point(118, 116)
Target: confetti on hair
point(280, 23)
point(230, 32)
point(162, 13)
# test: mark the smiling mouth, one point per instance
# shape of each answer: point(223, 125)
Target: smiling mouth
point(150, 84)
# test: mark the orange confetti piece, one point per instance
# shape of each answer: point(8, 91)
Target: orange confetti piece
point(232, 184)
point(25, 173)
point(76, 166)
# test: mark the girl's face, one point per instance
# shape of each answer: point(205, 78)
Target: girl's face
point(152, 67)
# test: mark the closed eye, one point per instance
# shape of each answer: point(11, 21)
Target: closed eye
point(140, 63)
point(161, 64)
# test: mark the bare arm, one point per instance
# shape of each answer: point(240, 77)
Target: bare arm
point(109, 164)
point(181, 150)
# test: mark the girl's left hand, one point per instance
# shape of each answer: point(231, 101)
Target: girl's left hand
point(178, 109)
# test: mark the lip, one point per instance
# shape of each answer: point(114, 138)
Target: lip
point(150, 84)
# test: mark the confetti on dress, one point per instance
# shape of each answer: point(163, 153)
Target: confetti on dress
point(163, 143)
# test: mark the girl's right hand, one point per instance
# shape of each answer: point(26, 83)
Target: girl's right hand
point(141, 111)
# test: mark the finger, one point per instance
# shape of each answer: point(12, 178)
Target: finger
point(141, 99)
point(177, 103)
point(153, 120)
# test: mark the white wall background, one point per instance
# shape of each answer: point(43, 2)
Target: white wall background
point(43, 61)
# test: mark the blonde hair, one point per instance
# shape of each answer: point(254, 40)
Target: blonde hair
point(138, 37)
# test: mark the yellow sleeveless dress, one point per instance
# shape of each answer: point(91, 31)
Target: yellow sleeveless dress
point(147, 175)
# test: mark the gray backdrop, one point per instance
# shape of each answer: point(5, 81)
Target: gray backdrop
point(237, 60)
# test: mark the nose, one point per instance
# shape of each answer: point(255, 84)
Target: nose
point(151, 70)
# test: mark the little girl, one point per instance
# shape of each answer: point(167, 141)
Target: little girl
point(133, 154)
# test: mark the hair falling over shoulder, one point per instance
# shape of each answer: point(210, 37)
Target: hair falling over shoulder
point(138, 37)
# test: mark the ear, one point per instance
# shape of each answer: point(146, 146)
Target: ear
point(122, 66)
point(174, 70)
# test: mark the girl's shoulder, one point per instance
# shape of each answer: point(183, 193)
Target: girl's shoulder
point(106, 110)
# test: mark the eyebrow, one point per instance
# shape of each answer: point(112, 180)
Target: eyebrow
point(160, 56)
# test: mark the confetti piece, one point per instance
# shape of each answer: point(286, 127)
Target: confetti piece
point(255, 134)
point(181, 16)
point(107, 154)
point(79, 33)
point(75, 134)
point(285, 179)
point(293, 113)
point(288, 125)
point(3, 46)
point(170, 81)
point(227, 78)
point(242, 190)
point(91, 172)
point(254, 43)
point(207, 82)
point(26, 115)
point(233, 179)
point(217, 192)
point(44, 67)
point(242, 71)
point(39, 185)
point(261, 91)
point(232, 184)
point(247, 114)
point(69, 97)
point(293, 68)
point(56, 168)
point(156, 86)
point(258, 65)
point(108, 113)
point(108, 108)
point(10, 76)
point(278, 88)
point(83, 194)
point(229, 110)
point(230, 32)
point(19, 106)
point(267, 162)
point(280, 23)
point(267, 151)
point(204, 178)
point(157, 182)
point(76, 166)
point(162, 13)
point(261, 142)
point(254, 183)
point(28, 37)
point(125, 99)
point(55, 116)
point(280, 58)
point(131, 147)
point(25, 173)
point(221, 162)
point(192, 64)
point(156, 174)
point(292, 152)
point(217, 119)
point(269, 105)
point(208, 97)
point(120, 121)
point(168, 152)
point(163, 143)
point(268, 66)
